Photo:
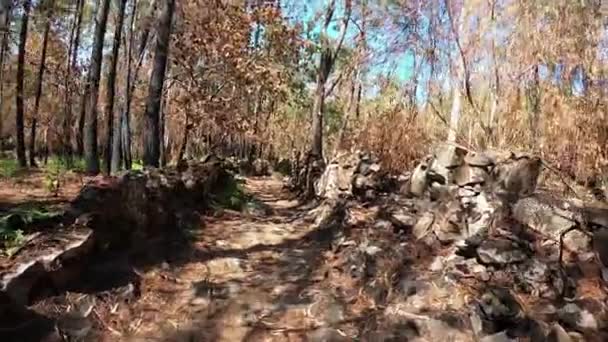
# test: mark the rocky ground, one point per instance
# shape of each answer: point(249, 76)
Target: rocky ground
point(460, 249)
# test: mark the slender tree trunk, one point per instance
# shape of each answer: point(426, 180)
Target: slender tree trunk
point(5, 21)
point(69, 86)
point(459, 78)
point(82, 113)
point(317, 114)
point(69, 67)
point(128, 92)
point(40, 80)
point(162, 120)
point(184, 143)
point(109, 109)
point(5, 12)
point(90, 133)
point(534, 108)
point(19, 89)
point(151, 134)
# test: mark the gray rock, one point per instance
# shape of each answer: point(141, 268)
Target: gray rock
point(383, 225)
point(418, 180)
point(499, 305)
point(423, 225)
point(470, 175)
point(535, 275)
point(325, 334)
point(558, 334)
point(437, 265)
point(335, 181)
point(479, 159)
point(449, 226)
point(466, 191)
point(577, 241)
point(574, 317)
point(498, 337)
point(543, 216)
point(447, 157)
point(500, 251)
point(401, 218)
point(439, 192)
point(518, 176)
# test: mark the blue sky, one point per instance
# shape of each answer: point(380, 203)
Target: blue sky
point(399, 65)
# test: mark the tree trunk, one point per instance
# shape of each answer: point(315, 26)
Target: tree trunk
point(162, 119)
point(5, 13)
point(70, 67)
point(109, 109)
point(459, 77)
point(125, 139)
point(41, 67)
point(90, 133)
point(317, 114)
point(151, 134)
point(81, 116)
point(19, 88)
point(5, 21)
point(184, 144)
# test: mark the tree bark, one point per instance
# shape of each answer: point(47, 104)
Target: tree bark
point(5, 9)
point(5, 13)
point(69, 85)
point(41, 68)
point(459, 75)
point(326, 64)
point(19, 88)
point(128, 93)
point(82, 113)
point(70, 67)
point(90, 133)
point(151, 134)
point(109, 109)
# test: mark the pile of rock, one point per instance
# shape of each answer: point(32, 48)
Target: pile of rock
point(123, 212)
point(477, 224)
point(352, 174)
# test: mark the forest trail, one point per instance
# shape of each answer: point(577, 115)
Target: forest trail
point(252, 276)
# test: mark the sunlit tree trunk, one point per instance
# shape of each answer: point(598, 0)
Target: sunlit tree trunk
point(151, 134)
point(109, 109)
point(39, 82)
point(90, 133)
point(326, 64)
point(69, 84)
point(5, 13)
point(5, 18)
point(458, 76)
point(82, 112)
point(19, 89)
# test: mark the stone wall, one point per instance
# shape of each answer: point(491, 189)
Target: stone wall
point(123, 212)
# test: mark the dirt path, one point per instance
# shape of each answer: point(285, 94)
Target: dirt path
point(250, 277)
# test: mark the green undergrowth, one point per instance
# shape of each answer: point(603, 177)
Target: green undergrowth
point(8, 167)
point(232, 196)
point(58, 164)
point(13, 223)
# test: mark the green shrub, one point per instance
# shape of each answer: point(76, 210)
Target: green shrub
point(232, 196)
point(8, 167)
point(12, 224)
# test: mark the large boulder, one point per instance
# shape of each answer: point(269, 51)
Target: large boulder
point(446, 158)
point(337, 179)
point(518, 175)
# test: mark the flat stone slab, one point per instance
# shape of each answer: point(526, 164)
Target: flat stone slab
point(42, 254)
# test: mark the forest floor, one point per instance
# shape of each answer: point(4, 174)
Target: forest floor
point(248, 276)
point(28, 189)
point(271, 272)
point(251, 275)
